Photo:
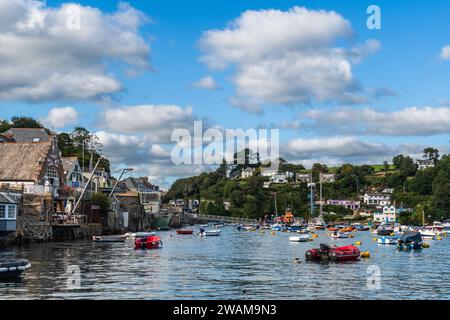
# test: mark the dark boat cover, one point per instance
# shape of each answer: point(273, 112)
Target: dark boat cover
point(409, 236)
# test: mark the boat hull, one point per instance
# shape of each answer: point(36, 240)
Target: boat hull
point(13, 269)
point(334, 254)
point(185, 232)
point(152, 242)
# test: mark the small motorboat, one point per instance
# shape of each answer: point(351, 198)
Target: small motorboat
point(384, 232)
point(340, 235)
point(278, 227)
point(301, 238)
point(410, 240)
point(347, 229)
point(185, 231)
point(388, 239)
point(333, 253)
point(246, 228)
point(138, 235)
point(209, 233)
point(428, 233)
point(12, 269)
point(218, 225)
point(152, 242)
point(333, 229)
point(118, 238)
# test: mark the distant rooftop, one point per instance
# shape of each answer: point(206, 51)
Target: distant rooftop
point(28, 134)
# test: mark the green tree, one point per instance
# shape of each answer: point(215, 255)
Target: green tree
point(4, 126)
point(102, 200)
point(405, 165)
point(25, 122)
point(431, 154)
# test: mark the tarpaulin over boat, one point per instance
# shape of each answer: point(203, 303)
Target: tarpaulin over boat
point(409, 236)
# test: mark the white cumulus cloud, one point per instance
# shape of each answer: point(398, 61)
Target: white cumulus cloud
point(66, 52)
point(414, 121)
point(287, 57)
point(445, 53)
point(61, 117)
point(207, 83)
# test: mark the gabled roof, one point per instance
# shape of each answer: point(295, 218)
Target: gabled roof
point(10, 197)
point(22, 161)
point(28, 134)
point(69, 164)
point(137, 184)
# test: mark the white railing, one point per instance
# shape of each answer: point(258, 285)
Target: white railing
point(40, 190)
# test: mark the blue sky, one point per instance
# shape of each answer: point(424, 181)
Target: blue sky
point(405, 66)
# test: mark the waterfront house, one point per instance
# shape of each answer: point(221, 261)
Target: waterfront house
point(387, 215)
point(31, 166)
point(349, 204)
point(141, 184)
point(9, 208)
point(72, 172)
point(424, 164)
point(377, 199)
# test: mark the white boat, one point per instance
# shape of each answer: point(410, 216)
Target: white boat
point(301, 238)
point(209, 233)
point(388, 240)
point(446, 226)
point(427, 233)
point(138, 235)
point(338, 235)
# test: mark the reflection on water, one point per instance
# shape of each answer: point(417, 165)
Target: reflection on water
point(189, 267)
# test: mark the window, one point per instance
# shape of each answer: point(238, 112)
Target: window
point(8, 211)
point(36, 139)
point(12, 212)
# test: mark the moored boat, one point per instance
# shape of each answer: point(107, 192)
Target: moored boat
point(339, 235)
point(301, 238)
point(209, 233)
point(388, 239)
point(332, 253)
point(11, 269)
point(410, 240)
point(116, 238)
point(152, 242)
point(185, 231)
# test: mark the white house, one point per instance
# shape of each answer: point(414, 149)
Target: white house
point(388, 215)
point(247, 172)
point(424, 164)
point(305, 177)
point(327, 177)
point(378, 199)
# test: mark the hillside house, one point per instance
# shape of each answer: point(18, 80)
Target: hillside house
point(387, 215)
point(424, 164)
point(247, 172)
point(377, 199)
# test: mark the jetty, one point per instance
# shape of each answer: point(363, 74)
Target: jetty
point(205, 218)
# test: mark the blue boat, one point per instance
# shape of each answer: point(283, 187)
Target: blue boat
point(388, 239)
point(410, 240)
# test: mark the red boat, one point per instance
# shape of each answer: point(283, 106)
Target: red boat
point(335, 254)
point(185, 231)
point(151, 242)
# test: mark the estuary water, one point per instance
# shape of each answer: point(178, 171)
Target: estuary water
point(235, 265)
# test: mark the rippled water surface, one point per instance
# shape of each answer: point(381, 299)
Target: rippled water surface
point(235, 265)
